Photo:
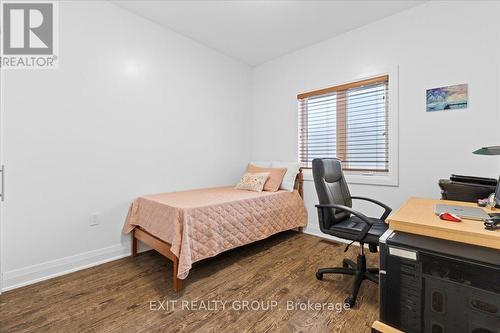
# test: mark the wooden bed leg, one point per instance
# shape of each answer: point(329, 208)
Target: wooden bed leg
point(134, 244)
point(176, 281)
point(300, 229)
point(300, 179)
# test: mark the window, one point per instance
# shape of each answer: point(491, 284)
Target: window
point(349, 122)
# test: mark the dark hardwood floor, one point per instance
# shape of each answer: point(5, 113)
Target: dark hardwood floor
point(125, 295)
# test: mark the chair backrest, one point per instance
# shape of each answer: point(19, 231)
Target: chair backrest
point(331, 186)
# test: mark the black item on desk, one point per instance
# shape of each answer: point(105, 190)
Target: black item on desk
point(496, 198)
point(433, 285)
point(474, 180)
point(466, 188)
point(492, 223)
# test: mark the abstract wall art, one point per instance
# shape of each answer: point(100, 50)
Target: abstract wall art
point(447, 98)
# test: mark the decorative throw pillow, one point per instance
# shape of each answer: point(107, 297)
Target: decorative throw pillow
point(275, 176)
point(293, 168)
point(253, 181)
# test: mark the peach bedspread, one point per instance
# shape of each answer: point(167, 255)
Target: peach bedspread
point(203, 223)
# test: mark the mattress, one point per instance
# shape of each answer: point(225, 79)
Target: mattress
point(203, 223)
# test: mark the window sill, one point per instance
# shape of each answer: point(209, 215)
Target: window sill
point(385, 180)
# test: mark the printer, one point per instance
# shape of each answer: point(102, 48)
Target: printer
point(466, 188)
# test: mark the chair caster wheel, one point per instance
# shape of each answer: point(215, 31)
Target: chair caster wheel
point(350, 300)
point(319, 276)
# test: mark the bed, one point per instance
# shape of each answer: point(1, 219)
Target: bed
point(190, 226)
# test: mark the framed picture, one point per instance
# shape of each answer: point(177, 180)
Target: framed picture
point(447, 98)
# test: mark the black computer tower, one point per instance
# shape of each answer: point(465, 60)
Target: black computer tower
point(438, 286)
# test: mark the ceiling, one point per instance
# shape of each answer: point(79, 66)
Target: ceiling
point(258, 31)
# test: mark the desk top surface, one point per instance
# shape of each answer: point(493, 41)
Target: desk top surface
point(417, 216)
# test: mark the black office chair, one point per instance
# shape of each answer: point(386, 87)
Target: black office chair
point(337, 218)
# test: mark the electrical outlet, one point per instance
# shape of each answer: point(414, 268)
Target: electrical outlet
point(94, 220)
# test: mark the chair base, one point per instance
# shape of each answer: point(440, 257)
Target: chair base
point(358, 270)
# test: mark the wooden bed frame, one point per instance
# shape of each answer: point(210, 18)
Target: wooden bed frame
point(164, 248)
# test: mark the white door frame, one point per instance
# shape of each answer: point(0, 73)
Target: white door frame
point(2, 179)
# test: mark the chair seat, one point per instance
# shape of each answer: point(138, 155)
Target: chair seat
point(351, 227)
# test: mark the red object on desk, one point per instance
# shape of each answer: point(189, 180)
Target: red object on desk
point(449, 217)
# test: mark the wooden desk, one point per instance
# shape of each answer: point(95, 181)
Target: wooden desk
point(417, 216)
point(379, 326)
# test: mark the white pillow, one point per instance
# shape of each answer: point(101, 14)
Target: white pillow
point(292, 169)
point(261, 164)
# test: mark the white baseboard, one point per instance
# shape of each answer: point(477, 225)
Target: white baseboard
point(32, 274)
point(50, 269)
point(314, 231)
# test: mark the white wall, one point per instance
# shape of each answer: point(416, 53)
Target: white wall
point(435, 44)
point(132, 109)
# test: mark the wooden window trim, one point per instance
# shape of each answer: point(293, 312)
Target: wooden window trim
point(341, 116)
point(341, 112)
point(367, 82)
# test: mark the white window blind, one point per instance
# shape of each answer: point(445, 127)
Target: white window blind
point(349, 122)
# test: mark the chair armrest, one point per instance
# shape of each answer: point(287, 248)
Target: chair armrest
point(361, 216)
point(387, 211)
